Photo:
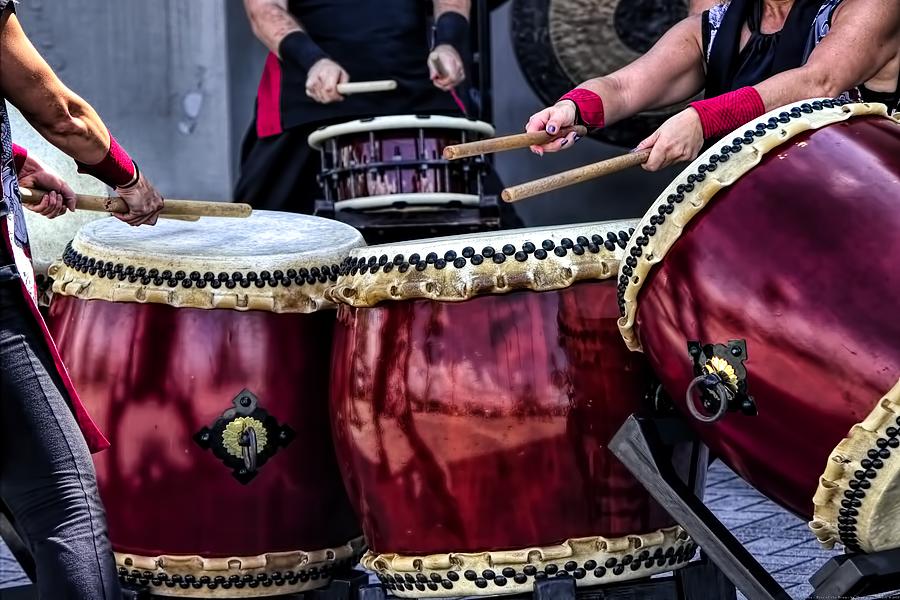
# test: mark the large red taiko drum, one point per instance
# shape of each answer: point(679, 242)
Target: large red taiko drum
point(761, 287)
point(476, 383)
point(202, 350)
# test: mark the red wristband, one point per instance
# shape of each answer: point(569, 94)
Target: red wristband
point(727, 112)
point(20, 155)
point(589, 104)
point(115, 170)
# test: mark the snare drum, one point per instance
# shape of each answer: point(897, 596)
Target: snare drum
point(202, 350)
point(397, 162)
point(476, 383)
point(764, 281)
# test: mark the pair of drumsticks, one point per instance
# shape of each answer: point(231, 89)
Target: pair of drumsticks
point(551, 182)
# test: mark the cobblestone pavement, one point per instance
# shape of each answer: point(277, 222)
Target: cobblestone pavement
point(780, 541)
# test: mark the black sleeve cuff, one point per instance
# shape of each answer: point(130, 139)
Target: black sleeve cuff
point(299, 49)
point(452, 28)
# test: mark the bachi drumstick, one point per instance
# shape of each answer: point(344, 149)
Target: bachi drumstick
point(579, 175)
point(365, 87)
point(509, 142)
point(171, 208)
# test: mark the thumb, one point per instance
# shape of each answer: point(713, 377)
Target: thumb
point(648, 142)
point(557, 120)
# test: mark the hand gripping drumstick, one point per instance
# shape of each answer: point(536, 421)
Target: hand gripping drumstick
point(579, 175)
point(364, 87)
point(171, 208)
point(509, 142)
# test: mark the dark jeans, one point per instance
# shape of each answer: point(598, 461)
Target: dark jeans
point(46, 475)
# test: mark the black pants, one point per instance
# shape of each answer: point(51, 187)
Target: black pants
point(279, 173)
point(46, 475)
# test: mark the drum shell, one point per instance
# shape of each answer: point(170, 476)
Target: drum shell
point(483, 425)
point(797, 258)
point(153, 376)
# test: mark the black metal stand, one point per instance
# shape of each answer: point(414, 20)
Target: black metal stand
point(640, 442)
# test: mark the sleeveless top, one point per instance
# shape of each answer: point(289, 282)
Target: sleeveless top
point(730, 67)
point(16, 269)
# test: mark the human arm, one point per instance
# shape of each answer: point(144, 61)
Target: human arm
point(864, 38)
point(281, 32)
point(69, 123)
point(670, 72)
point(451, 37)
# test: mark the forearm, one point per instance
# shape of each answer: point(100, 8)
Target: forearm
point(799, 84)
point(462, 7)
point(271, 22)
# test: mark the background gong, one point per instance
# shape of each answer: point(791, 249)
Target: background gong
point(560, 43)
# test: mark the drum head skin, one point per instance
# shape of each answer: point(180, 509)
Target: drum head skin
point(460, 267)
point(279, 262)
point(561, 43)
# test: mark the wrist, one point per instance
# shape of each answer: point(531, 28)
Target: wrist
point(730, 111)
point(20, 155)
point(452, 29)
point(117, 169)
point(588, 107)
point(299, 49)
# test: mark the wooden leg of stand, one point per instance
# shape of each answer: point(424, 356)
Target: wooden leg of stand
point(636, 445)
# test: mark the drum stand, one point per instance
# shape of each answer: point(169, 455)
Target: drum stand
point(640, 444)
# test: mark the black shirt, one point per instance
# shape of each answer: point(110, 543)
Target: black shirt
point(370, 39)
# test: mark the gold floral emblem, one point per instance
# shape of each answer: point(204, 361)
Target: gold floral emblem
point(719, 366)
point(231, 437)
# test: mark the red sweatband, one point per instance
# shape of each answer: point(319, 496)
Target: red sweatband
point(20, 155)
point(115, 170)
point(727, 112)
point(590, 106)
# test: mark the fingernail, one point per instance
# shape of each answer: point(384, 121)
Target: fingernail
point(576, 138)
point(551, 129)
point(632, 150)
point(564, 142)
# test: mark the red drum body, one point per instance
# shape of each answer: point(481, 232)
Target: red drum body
point(471, 425)
point(396, 162)
point(783, 285)
point(221, 480)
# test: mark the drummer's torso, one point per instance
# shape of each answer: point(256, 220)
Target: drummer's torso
point(371, 40)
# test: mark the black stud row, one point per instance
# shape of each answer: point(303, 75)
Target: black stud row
point(612, 566)
point(724, 155)
point(862, 481)
point(582, 244)
point(85, 264)
point(265, 580)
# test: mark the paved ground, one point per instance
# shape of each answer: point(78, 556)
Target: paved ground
point(780, 541)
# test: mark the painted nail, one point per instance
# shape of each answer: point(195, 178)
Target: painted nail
point(551, 129)
point(576, 138)
point(563, 143)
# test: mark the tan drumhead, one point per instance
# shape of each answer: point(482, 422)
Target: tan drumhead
point(460, 267)
point(396, 122)
point(280, 262)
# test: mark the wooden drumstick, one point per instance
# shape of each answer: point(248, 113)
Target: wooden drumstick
point(508, 142)
point(579, 175)
point(365, 87)
point(180, 208)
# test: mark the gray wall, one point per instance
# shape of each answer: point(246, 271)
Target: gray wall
point(175, 80)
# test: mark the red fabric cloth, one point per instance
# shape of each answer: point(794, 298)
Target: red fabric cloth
point(20, 154)
point(590, 106)
point(727, 112)
point(268, 99)
point(115, 170)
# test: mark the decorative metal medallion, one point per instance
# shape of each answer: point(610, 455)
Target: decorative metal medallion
point(720, 382)
point(245, 437)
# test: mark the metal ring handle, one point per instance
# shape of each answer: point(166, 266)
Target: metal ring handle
point(248, 448)
point(712, 383)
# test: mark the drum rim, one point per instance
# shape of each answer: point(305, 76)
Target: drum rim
point(387, 200)
point(285, 283)
point(387, 123)
point(686, 197)
point(869, 531)
point(536, 259)
point(672, 543)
